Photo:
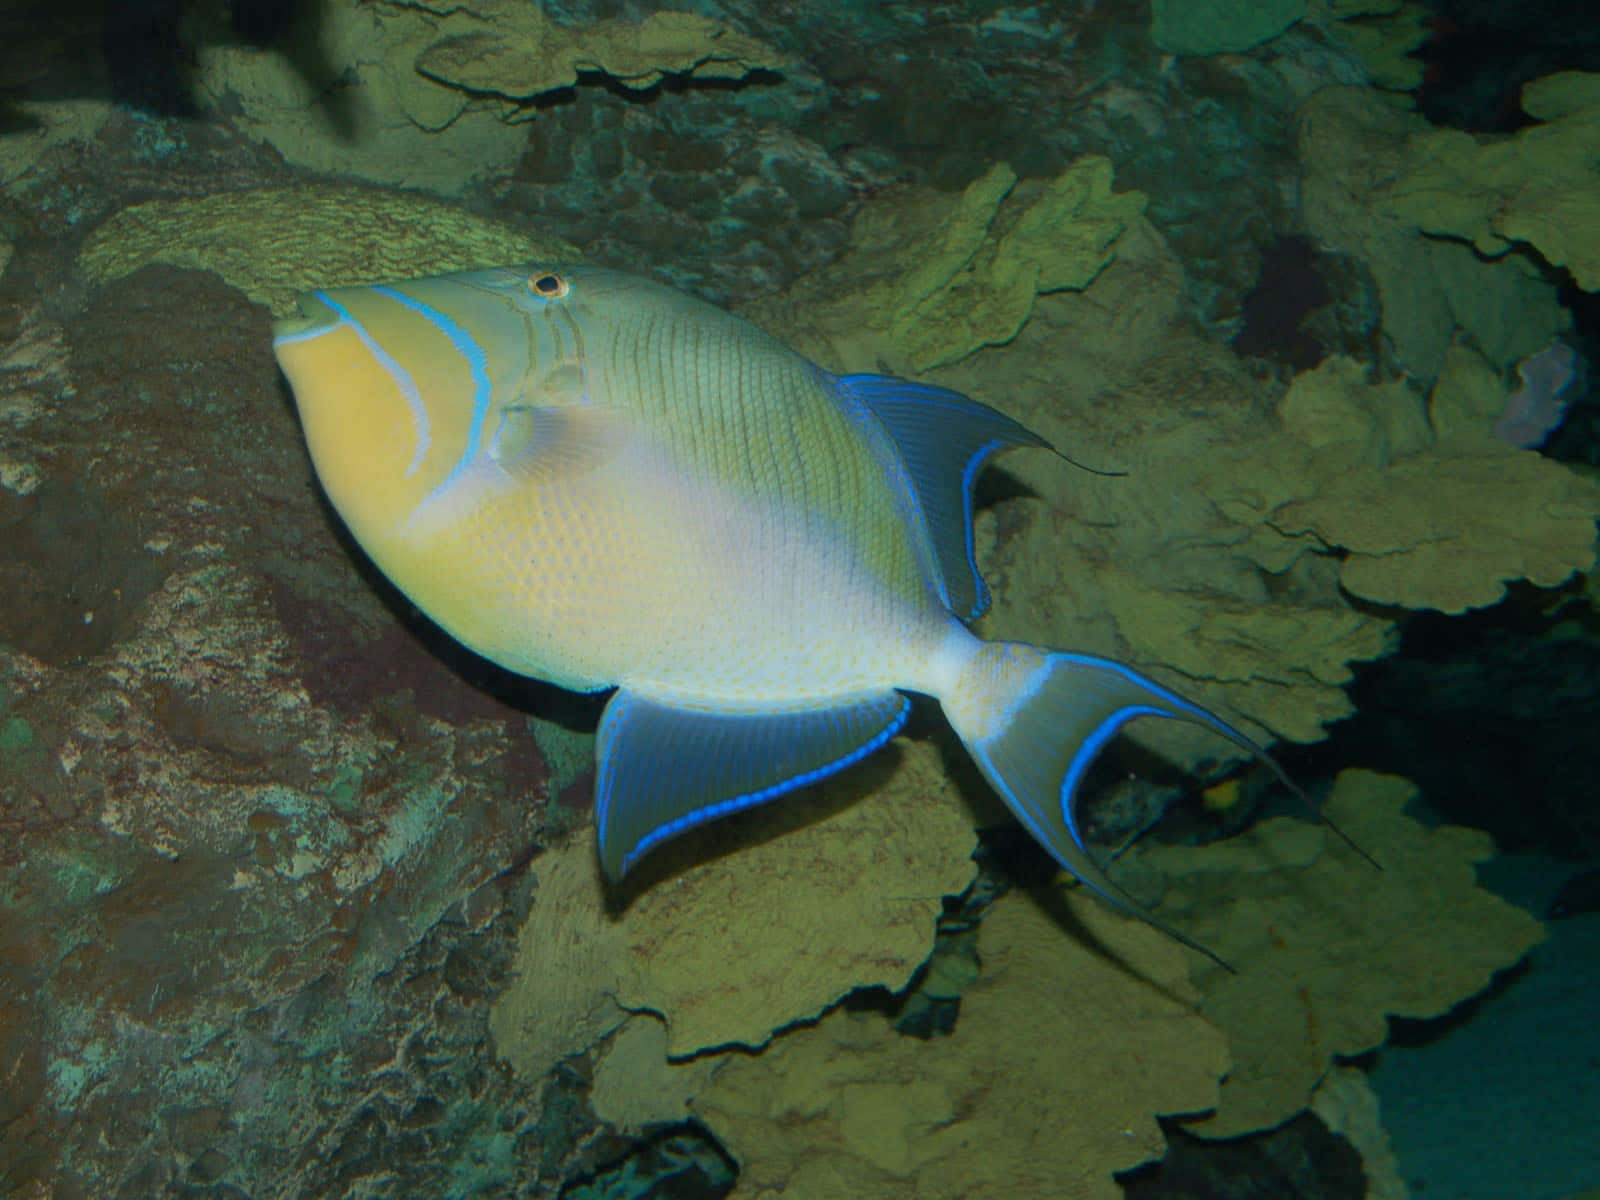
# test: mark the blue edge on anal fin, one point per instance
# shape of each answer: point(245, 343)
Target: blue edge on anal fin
point(665, 769)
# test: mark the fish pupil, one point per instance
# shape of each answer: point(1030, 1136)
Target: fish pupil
point(549, 285)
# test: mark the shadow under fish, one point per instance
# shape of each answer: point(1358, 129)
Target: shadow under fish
point(1578, 896)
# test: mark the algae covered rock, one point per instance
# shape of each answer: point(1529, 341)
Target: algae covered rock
point(38, 126)
point(1220, 26)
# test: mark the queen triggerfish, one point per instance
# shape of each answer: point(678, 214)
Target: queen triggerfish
point(590, 478)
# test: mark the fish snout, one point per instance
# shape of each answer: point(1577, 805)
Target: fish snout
point(316, 316)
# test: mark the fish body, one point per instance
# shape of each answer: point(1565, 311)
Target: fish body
point(593, 479)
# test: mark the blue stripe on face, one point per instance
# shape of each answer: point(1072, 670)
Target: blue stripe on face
point(477, 363)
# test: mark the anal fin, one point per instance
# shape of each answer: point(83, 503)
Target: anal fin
point(664, 769)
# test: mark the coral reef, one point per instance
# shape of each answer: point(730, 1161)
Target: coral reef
point(293, 903)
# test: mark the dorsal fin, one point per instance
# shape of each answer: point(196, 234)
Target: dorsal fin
point(943, 439)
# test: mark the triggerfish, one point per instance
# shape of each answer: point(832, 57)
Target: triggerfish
point(593, 479)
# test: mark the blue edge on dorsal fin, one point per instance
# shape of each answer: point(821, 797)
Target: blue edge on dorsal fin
point(941, 440)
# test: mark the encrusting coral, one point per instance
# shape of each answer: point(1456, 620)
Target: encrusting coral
point(274, 243)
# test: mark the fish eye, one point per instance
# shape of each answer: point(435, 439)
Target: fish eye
point(547, 285)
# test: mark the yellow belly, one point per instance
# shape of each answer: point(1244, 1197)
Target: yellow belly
point(633, 575)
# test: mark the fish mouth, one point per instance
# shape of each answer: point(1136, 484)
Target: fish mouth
point(316, 316)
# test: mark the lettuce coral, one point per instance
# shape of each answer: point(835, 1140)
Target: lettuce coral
point(1539, 186)
point(930, 280)
point(1428, 524)
point(1326, 946)
point(1050, 1082)
point(1383, 33)
point(1352, 144)
point(729, 949)
point(384, 121)
point(1083, 1024)
point(431, 95)
point(512, 49)
point(1222, 561)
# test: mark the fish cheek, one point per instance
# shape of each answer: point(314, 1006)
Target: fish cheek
point(360, 426)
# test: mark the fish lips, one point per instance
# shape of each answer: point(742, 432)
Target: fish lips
point(316, 316)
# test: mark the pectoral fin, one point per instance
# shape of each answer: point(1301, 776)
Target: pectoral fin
point(533, 442)
point(526, 444)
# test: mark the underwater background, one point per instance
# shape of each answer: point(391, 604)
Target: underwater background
point(297, 898)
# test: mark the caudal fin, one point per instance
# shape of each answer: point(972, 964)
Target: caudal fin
point(1034, 720)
